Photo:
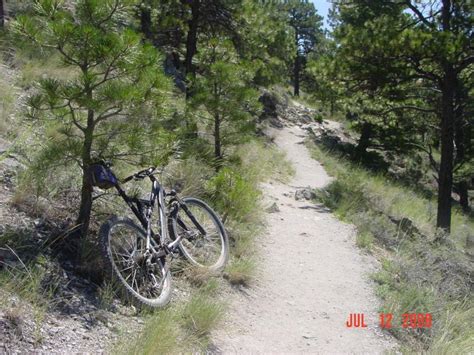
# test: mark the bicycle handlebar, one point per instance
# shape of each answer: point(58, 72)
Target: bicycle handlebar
point(140, 175)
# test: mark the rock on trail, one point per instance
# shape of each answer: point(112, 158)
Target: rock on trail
point(311, 276)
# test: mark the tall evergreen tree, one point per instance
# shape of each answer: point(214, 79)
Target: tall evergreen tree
point(306, 24)
point(428, 47)
point(223, 90)
point(207, 16)
point(264, 38)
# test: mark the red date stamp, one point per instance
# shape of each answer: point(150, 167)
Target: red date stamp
point(408, 320)
point(416, 320)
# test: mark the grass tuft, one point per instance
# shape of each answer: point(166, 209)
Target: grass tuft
point(106, 294)
point(240, 271)
point(201, 314)
point(161, 335)
point(197, 276)
point(364, 240)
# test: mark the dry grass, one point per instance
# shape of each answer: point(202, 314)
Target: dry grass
point(161, 335)
point(420, 272)
point(201, 314)
point(7, 106)
point(179, 328)
point(34, 70)
point(240, 271)
point(197, 276)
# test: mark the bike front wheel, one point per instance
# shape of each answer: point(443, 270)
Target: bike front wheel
point(123, 245)
point(204, 241)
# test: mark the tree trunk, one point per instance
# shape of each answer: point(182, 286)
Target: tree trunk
point(463, 191)
point(191, 40)
point(445, 182)
point(296, 75)
point(448, 86)
point(145, 22)
point(85, 208)
point(364, 140)
point(2, 14)
point(461, 140)
point(217, 142)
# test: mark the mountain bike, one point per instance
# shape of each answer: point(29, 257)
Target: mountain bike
point(137, 255)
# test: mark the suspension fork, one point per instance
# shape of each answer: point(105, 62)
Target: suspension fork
point(157, 194)
point(149, 211)
point(162, 215)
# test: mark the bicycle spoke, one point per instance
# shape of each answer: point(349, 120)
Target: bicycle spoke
point(127, 268)
point(127, 251)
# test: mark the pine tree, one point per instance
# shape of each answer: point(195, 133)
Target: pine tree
point(387, 45)
point(265, 40)
point(115, 78)
point(306, 24)
point(224, 92)
point(209, 17)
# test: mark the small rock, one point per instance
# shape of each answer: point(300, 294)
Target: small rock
point(273, 208)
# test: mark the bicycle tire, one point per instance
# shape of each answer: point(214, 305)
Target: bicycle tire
point(112, 266)
point(174, 229)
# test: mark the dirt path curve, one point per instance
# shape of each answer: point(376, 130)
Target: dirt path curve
point(312, 276)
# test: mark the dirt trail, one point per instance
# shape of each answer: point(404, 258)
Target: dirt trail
point(312, 276)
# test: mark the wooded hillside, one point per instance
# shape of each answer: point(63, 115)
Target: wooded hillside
point(190, 85)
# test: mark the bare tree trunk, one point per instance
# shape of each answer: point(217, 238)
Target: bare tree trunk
point(448, 85)
point(364, 140)
point(462, 141)
point(463, 191)
point(296, 75)
point(191, 40)
point(145, 22)
point(85, 208)
point(217, 142)
point(445, 183)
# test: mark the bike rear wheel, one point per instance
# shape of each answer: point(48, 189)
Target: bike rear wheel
point(209, 250)
point(123, 247)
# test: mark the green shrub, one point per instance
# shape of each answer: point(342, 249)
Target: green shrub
point(318, 118)
point(235, 196)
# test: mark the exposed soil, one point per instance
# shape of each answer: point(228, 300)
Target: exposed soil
point(311, 276)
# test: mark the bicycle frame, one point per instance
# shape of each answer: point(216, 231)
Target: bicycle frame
point(158, 195)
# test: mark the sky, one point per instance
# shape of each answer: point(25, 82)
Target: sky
point(322, 6)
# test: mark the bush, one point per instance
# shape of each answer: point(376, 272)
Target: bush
point(233, 195)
